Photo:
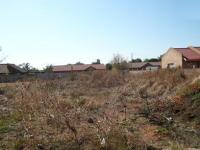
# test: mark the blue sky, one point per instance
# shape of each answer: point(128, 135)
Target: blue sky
point(57, 32)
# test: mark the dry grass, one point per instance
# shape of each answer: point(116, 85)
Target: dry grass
point(100, 110)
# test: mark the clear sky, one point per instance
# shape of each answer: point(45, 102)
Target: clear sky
point(57, 32)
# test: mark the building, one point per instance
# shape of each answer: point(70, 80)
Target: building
point(78, 68)
point(181, 57)
point(144, 66)
point(11, 69)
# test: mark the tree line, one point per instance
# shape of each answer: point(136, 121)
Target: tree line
point(118, 62)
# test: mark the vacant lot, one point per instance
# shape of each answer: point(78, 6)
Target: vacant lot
point(102, 110)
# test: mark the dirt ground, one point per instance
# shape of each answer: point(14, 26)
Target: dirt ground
point(109, 110)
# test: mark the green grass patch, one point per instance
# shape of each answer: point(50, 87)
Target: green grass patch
point(5, 129)
point(7, 123)
point(163, 131)
point(190, 90)
point(176, 146)
point(196, 99)
point(5, 126)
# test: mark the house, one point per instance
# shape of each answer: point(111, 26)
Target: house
point(11, 69)
point(144, 66)
point(78, 68)
point(181, 57)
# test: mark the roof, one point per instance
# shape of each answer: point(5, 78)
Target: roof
point(190, 53)
point(84, 67)
point(142, 64)
point(155, 63)
point(137, 64)
point(10, 68)
point(17, 68)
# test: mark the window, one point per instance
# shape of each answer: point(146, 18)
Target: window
point(171, 65)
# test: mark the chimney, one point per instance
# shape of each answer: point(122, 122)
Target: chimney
point(194, 49)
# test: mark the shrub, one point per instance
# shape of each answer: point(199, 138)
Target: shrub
point(108, 66)
point(196, 99)
point(6, 125)
point(116, 140)
point(163, 131)
point(190, 89)
point(191, 92)
point(107, 79)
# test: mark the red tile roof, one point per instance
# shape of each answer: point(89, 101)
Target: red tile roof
point(67, 68)
point(190, 54)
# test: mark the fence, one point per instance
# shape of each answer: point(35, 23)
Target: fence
point(44, 76)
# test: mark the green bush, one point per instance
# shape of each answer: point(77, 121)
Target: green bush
point(196, 99)
point(5, 125)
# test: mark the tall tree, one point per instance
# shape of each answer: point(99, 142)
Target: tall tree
point(152, 60)
point(136, 60)
point(98, 61)
point(79, 63)
point(48, 69)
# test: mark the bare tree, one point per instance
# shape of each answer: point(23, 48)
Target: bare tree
point(119, 62)
point(28, 68)
point(3, 58)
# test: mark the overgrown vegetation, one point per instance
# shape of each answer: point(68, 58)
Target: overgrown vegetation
point(102, 110)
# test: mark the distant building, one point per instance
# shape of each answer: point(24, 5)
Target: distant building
point(78, 68)
point(181, 57)
point(11, 69)
point(144, 66)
